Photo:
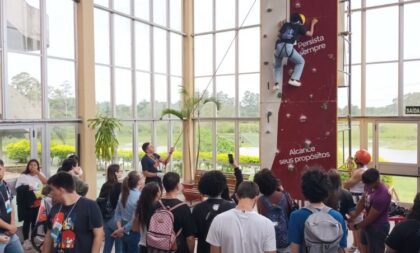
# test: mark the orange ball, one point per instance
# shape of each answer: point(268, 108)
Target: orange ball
point(362, 156)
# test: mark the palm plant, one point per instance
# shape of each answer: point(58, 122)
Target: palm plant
point(191, 105)
point(106, 142)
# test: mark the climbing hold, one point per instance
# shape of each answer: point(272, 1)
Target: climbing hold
point(291, 167)
point(308, 143)
point(327, 133)
point(314, 70)
point(298, 4)
point(265, 36)
point(324, 106)
point(269, 10)
point(302, 118)
point(266, 63)
point(277, 152)
point(311, 96)
point(331, 56)
point(288, 115)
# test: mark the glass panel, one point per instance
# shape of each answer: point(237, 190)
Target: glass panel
point(203, 55)
point(62, 144)
point(101, 36)
point(249, 95)
point(205, 85)
point(125, 147)
point(379, 22)
point(381, 89)
point(162, 138)
point(378, 2)
point(123, 93)
point(103, 90)
point(254, 13)
point(342, 102)
point(102, 2)
point(15, 151)
point(356, 90)
point(159, 12)
point(249, 50)
point(225, 89)
point(24, 87)
point(356, 36)
point(144, 107)
point(356, 4)
point(175, 9)
point(411, 83)
point(142, 46)
point(204, 140)
point(122, 39)
point(122, 6)
point(203, 16)
point(225, 144)
point(23, 25)
point(398, 143)
point(370, 139)
point(142, 9)
point(176, 86)
point(176, 164)
point(161, 94)
point(403, 189)
point(225, 14)
point(144, 135)
point(411, 38)
point(342, 143)
point(249, 149)
point(160, 50)
point(223, 41)
point(60, 28)
point(176, 54)
point(61, 89)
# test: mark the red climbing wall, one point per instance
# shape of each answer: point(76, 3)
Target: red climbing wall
point(307, 118)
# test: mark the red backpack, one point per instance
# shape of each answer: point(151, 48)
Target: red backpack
point(161, 233)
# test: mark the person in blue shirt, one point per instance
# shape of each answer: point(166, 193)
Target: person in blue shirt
point(314, 185)
point(124, 214)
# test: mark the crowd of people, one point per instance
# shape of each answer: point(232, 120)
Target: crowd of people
point(144, 212)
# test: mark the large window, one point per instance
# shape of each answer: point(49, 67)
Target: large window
point(138, 73)
point(227, 53)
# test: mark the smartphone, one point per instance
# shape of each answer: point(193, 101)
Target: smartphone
point(230, 156)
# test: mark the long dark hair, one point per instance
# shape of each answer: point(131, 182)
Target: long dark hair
point(111, 177)
point(145, 204)
point(27, 171)
point(415, 211)
point(334, 190)
point(130, 182)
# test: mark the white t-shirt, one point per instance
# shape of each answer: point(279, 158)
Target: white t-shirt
point(236, 231)
point(32, 181)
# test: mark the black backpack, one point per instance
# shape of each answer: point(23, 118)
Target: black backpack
point(211, 213)
point(105, 206)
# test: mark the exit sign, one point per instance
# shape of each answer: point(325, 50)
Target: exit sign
point(412, 110)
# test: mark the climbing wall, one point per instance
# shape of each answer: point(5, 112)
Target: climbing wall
point(305, 126)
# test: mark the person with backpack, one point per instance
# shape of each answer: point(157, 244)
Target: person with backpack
point(288, 35)
point(171, 227)
point(316, 228)
point(211, 184)
point(124, 214)
point(375, 202)
point(242, 230)
point(275, 205)
point(405, 236)
point(107, 202)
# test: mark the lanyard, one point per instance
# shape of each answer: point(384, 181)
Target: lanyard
point(7, 191)
point(71, 210)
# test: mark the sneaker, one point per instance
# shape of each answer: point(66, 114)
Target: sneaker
point(27, 245)
point(295, 83)
point(276, 87)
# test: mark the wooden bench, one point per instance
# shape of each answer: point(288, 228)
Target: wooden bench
point(190, 189)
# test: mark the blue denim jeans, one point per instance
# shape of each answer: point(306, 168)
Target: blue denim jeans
point(131, 242)
point(374, 237)
point(287, 50)
point(109, 227)
point(13, 246)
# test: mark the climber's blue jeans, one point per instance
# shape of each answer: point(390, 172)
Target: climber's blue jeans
point(287, 50)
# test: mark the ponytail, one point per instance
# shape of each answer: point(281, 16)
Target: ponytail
point(130, 182)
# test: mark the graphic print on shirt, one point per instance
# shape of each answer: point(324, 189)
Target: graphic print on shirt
point(63, 231)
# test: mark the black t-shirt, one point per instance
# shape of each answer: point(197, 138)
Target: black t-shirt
point(113, 190)
point(78, 221)
point(148, 164)
point(405, 237)
point(290, 32)
point(182, 219)
point(204, 214)
point(6, 197)
point(345, 203)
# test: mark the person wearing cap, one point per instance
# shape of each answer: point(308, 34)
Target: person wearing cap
point(356, 187)
point(288, 35)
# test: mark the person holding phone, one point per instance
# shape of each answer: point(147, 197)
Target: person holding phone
point(239, 179)
point(151, 162)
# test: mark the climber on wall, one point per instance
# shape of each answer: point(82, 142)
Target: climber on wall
point(288, 35)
